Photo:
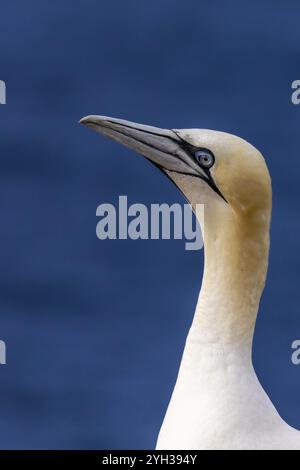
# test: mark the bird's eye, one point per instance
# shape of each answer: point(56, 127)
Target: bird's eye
point(205, 158)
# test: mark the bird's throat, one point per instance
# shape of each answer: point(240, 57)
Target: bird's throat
point(236, 260)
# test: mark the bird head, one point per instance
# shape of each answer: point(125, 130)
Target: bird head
point(209, 167)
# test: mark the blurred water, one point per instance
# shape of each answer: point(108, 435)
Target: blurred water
point(95, 330)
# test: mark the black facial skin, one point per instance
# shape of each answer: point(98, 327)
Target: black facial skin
point(194, 151)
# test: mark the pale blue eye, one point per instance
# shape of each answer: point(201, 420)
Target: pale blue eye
point(205, 158)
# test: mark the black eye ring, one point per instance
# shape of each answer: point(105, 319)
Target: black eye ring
point(205, 158)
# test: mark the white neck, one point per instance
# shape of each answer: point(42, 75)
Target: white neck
point(236, 257)
point(217, 391)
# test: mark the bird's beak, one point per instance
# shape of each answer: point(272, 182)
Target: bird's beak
point(161, 146)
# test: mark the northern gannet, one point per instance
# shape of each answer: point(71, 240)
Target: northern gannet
point(217, 402)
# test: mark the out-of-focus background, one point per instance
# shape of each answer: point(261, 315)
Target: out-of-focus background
point(95, 329)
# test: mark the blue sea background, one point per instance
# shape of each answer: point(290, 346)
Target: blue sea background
point(95, 329)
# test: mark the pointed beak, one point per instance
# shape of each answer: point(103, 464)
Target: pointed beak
point(161, 146)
